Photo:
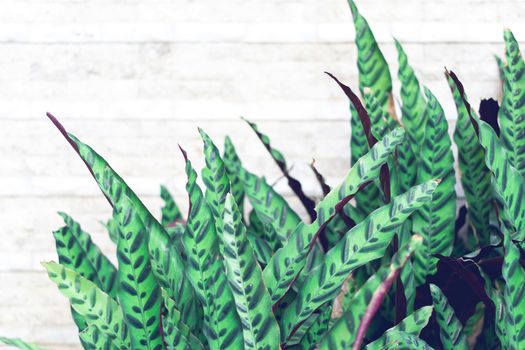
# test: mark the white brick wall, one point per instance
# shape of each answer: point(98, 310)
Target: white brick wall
point(133, 78)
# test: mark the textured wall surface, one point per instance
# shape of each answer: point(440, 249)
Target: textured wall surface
point(135, 77)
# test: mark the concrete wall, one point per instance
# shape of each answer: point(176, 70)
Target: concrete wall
point(133, 78)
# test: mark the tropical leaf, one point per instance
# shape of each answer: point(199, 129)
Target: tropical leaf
point(233, 167)
point(177, 335)
point(279, 159)
point(288, 261)
point(98, 308)
point(403, 341)
point(414, 104)
point(368, 199)
point(19, 344)
point(475, 177)
point(222, 326)
point(316, 331)
point(166, 260)
point(76, 251)
point(275, 214)
point(93, 339)
point(509, 185)
point(372, 66)
point(512, 112)
point(216, 180)
point(451, 329)
point(435, 220)
point(412, 324)
point(366, 242)
point(170, 211)
point(138, 292)
point(263, 251)
point(348, 330)
point(254, 306)
point(513, 293)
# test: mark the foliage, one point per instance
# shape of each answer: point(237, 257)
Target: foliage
point(370, 267)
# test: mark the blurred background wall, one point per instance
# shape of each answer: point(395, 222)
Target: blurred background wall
point(135, 77)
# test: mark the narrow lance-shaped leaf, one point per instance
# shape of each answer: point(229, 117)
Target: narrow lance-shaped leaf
point(435, 220)
point(366, 242)
point(347, 330)
point(222, 326)
point(279, 220)
point(97, 308)
point(77, 252)
point(244, 274)
point(475, 176)
point(294, 184)
point(138, 293)
point(112, 229)
point(19, 344)
point(509, 184)
point(513, 293)
point(165, 258)
point(233, 167)
point(288, 261)
point(372, 66)
point(412, 324)
point(216, 180)
point(450, 328)
point(512, 112)
point(413, 102)
point(170, 211)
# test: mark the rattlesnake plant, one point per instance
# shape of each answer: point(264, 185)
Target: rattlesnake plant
point(378, 264)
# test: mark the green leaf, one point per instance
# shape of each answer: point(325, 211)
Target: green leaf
point(216, 180)
point(368, 199)
point(475, 176)
point(288, 261)
point(138, 293)
point(366, 242)
point(170, 211)
point(513, 294)
point(97, 308)
point(414, 104)
point(512, 112)
point(317, 330)
point(93, 339)
point(403, 341)
point(435, 220)
point(76, 251)
point(279, 220)
point(294, 184)
point(19, 344)
point(508, 183)
point(222, 326)
point(344, 333)
point(451, 329)
point(262, 249)
point(233, 167)
point(177, 335)
point(413, 324)
point(166, 260)
point(244, 274)
point(372, 66)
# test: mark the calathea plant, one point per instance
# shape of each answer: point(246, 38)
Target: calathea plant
point(383, 261)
